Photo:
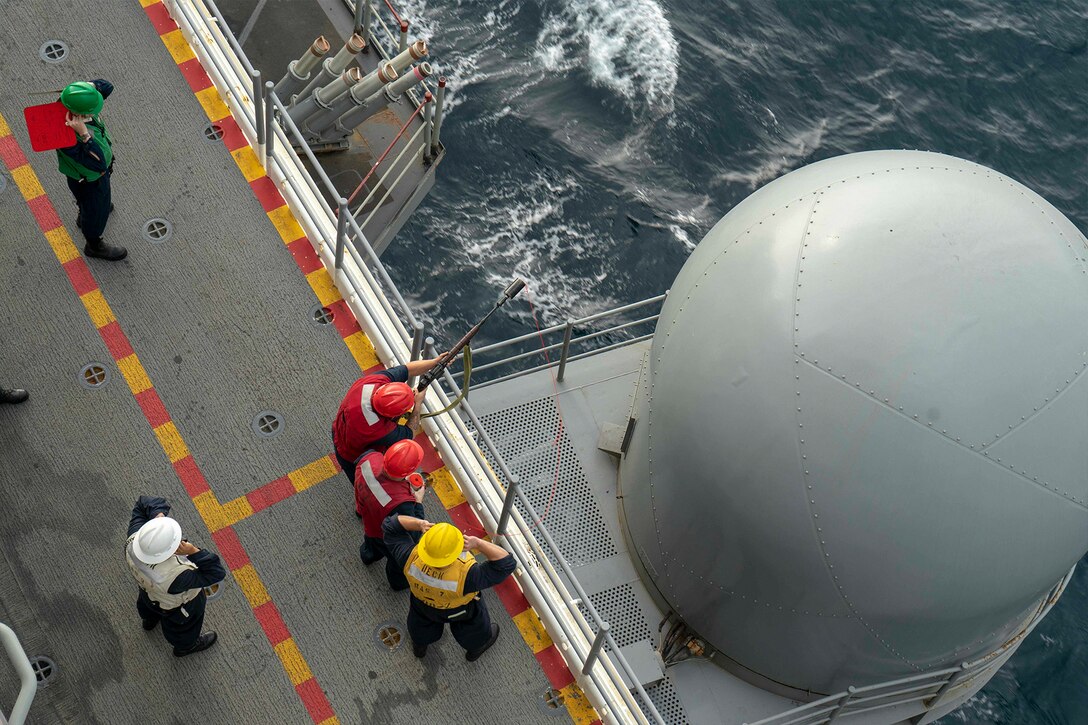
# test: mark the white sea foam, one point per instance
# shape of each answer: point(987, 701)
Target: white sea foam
point(626, 46)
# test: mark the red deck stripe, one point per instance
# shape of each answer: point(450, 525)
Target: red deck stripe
point(271, 493)
point(230, 548)
point(160, 18)
point(80, 276)
point(10, 153)
point(44, 213)
point(335, 463)
point(431, 461)
point(271, 622)
point(313, 697)
point(154, 410)
point(191, 477)
point(267, 193)
point(116, 340)
point(304, 255)
point(233, 137)
point(195, 75)
point(344, 318)
point(465, 519)
point(555, 667)
point(510, 595)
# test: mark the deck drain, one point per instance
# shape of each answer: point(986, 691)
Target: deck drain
point(53, 51)
point(214, 591)
point(44, 670)
point(158, 230)
point(322, 315)
point(552, 702)
point(389, 635)
point(94, 375)
point(213, 132)
point(268, 424)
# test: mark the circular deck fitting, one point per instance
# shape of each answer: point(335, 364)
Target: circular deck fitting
point(158, 230)
point(45, 670)
point(94, 375)
point(214, 591)
point(552, 702)
point(53, 51)
point(213, 132)
point(389, 635)
point(268, 424)
point(322, 315)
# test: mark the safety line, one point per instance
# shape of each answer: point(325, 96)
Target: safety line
point(442, 481)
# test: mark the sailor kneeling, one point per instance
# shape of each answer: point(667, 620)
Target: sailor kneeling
point(445, 581)
point(172, 574)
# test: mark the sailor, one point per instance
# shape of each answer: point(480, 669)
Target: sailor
point(446, 580)
point(368, 415)
point(382, 489)
point(172, 574)
point(89, 163)
point(13, 395)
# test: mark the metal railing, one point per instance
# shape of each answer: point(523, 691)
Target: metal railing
point(928, 689)
point(28, 682)
point(534, 346)
point(386, 318)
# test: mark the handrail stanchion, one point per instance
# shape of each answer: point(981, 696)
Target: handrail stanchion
point(440, 99)
point(566, 350)
point(508, 502)
point(269, 116)
point(849, 695)
point(418, 333)
point(341, 231)
point(368, 10)
point(595, 649)
point(28, 681)
point(258, 110)
point(951, 682)
point(428, 132)
point(403, 37)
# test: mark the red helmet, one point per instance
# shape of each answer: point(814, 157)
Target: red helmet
point(393, 400)
point(402, 458)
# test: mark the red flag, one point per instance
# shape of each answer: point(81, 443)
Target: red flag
point(45, 124)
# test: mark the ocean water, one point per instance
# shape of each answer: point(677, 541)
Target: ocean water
point(592, 143)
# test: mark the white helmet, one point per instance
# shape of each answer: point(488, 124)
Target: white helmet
point(157, 540)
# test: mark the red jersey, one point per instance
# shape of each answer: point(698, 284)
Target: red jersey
point(357, 424)
point(376, 495)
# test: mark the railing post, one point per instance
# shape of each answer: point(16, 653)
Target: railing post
point(508, 502)
point(842, 703)
point(951, 682)
point(417, 348)
point(428, 126)
point(28, 681)
point(258, 106)
point(439, 100)
point(367, 13)
point(359, 25)
point(403, 37)
point(341, 231)
point(595, 649)
point(566, 349)
point(269, 116)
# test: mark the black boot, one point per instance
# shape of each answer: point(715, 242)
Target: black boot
point(13, 396)
point(98, 248)
point(150, 624)
point(419, 650)
point(203, 642)
point(474, 655)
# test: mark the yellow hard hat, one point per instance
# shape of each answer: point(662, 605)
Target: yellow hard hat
point(440, 545)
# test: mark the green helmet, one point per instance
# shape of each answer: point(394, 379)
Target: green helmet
point(81, 97)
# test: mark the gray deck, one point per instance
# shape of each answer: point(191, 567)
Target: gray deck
point(520, 415)
point(219, 317)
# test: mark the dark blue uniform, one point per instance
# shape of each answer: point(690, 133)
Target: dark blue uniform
point(470, 624)
point(180, 626)
point(374, 549)
point(92, 197)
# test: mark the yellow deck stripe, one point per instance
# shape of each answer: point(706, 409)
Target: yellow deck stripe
point(285, 223)
point(61, 242)
point(446, 488)
point(312, 474)
point(212, 104)
point(27, 181)
point(97, 308)
point(293, 662)
point(532, 630)
point(578, 707)
point(178, 46)
point(171, 442)
point(5, 130)
point(362, 350)
point(134, 373)
point(249, 164)
point(323, 286)
point(251, 585)
point(207, 505)
point(236, 510)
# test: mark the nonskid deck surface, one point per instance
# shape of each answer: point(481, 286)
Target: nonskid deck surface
point(218, 318)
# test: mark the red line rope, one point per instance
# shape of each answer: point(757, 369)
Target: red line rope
point(394, 11)
point(426, 100)
point(559, 411)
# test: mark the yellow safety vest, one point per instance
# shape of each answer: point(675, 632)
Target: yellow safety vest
point(440, 588)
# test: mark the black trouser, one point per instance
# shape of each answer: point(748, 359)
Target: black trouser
point(471, 624)
point(374, 550)
point(347, 466)
point(180, 630)
point(93, 200)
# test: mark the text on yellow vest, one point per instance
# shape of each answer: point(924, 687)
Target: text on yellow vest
point(440, 588)
point(155, 579)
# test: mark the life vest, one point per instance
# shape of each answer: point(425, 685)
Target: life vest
point(155, 579)
point(75, 170)
point(357, 424)
point(440, 588)
point(376, 495)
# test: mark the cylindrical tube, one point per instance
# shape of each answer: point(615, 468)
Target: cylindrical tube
point(380, 100)
point(409, 55)
point(403, 36)
point(298, 71)
point(325, 96)
point(320, 121)
point(406, 81)
point(334, 66)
